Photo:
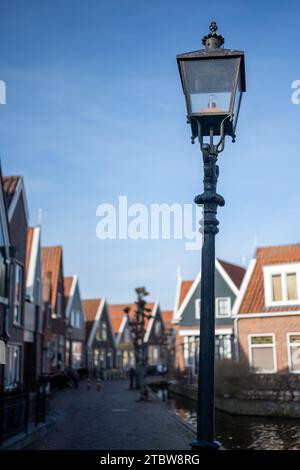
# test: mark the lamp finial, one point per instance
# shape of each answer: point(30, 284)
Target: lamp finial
point(213, 40)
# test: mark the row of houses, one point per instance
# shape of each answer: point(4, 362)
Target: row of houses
point(257, 313)
point(45, 325)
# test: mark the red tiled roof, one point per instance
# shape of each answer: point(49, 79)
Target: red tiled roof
point(116, 315)
point(167, 316)
point(29, 237)
point(90, 307)
point(254, 298)
point(10, 184)
point(68, 281)
point(235, 272)
point(120, 307)
point(184, 288)
point(51, 262)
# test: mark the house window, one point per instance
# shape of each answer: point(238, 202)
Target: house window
point(191, 351)
point(197, 309)
point(262, 353)
point(54, 350)
point(282, 284)
point(109, 359)
point(61, 352)
point(284, 287)
point(18, 294)
point(76, 319)
point(102, 332)
point(58, 305)
point(13, 366)
point(153, 355)
point(50, 350)
point(157, 328)
point(223, 307)
point(3, 265)
point(126, 335)
point(293, 344)
point(76, 354)
point(102, 358)
point(68, 358)
point(125, 359)
point(96, 357)
point(2, 353)
point(3, 272)
point(185, 346)
point(223, 346)
point(291, 281)
point(132, 359)
point(277, 287)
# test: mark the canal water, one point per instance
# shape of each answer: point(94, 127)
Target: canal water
point(241, 432)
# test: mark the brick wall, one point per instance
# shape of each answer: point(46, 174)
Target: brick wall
point(280, 326)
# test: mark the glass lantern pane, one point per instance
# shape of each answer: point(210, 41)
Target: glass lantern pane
point(210, 84)
point(237, 102)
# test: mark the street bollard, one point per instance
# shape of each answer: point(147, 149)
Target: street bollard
point(98, 385)
point(88, 385)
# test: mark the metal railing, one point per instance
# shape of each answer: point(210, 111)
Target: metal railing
point(186, 376)
point(22, 411)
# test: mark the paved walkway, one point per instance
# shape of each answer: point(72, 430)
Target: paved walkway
point(111, 419)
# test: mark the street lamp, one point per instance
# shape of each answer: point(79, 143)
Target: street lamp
point(213, 80)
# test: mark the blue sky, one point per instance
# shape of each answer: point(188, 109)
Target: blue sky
point(95, 109)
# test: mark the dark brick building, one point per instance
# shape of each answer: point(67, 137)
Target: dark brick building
point(54, 309)
point(17, 213)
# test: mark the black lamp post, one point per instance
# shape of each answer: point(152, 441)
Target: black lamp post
point(213, 80)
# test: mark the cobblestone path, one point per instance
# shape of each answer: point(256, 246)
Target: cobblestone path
point(110, 419)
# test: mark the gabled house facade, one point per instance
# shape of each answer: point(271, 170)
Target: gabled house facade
point(124, 357)
point(186, 317)
point(17, 214)
point(170, 339)
point(33, 319)
point(54, 309)
point(75, 321)
point(155, 337)
point(5, 280)
point(100, 337)
point(154, 333)
point(268, 311)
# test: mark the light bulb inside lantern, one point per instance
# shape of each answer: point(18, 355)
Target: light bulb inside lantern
point(212, 101)
point(211, 105)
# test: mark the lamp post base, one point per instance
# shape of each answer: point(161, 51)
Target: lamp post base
point(205, 445)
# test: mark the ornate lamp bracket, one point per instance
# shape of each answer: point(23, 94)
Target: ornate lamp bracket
point(210, 199)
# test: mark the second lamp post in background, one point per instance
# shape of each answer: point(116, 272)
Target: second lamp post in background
point(137, 327)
